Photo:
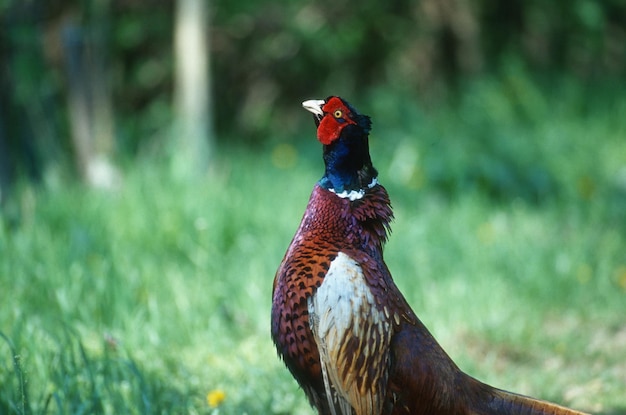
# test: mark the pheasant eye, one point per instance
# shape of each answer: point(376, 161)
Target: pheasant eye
point(338, 114)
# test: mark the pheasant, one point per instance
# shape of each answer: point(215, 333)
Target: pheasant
point(339, 322)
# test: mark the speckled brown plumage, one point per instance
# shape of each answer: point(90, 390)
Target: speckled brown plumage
point(330, 224)
point(339, 322)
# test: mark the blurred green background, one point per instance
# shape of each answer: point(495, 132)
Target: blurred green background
point(155, 162)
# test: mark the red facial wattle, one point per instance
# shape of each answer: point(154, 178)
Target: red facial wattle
point(336, 116)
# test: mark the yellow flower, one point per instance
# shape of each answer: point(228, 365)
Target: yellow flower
point(215, 397)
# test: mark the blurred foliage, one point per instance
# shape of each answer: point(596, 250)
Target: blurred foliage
point(270, 55)
point(521, 57)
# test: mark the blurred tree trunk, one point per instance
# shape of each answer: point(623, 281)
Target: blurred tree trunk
point(89, 105)
point(193, 105)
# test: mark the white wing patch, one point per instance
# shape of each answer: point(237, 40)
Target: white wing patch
point(353, 337)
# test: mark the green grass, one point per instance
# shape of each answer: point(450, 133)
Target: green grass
point(145, 299)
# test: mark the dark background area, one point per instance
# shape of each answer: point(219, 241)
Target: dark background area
point(268, 56)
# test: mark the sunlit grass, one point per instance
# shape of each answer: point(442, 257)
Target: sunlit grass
point(155, 298)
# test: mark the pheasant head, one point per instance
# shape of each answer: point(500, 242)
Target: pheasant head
point(344, 133)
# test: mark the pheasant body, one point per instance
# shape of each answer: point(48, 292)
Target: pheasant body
point(339, 322)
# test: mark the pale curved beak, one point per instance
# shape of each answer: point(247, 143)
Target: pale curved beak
point(314, 106)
